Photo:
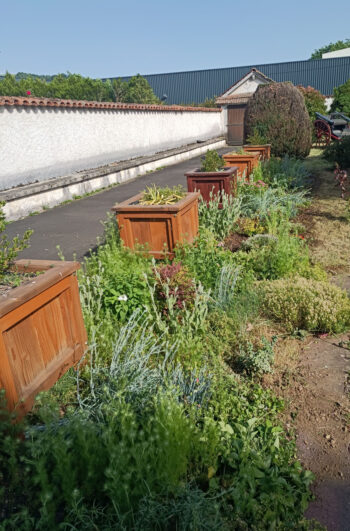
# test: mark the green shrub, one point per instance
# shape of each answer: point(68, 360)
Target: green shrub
point(339, 152)
point(263, 202)
point(306, 304)
point(285, 173)
point(212, 161)
point(341, 101)
point(10, 249)
point(220, 221)
point(205, 259)
point(256, 360)
point(117, 276)
point(256, 138)
point(279, 255)
point(314, 101)
point(277, 112)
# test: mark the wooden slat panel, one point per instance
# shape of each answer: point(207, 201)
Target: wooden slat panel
point(26, 308)
point(48, 322)
point(24, 353)
point(40, 339)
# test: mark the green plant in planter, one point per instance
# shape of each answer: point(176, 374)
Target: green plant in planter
point(241, 152)
point(212, 161)
point(256, 138)
point(10, 249)
point(154, 195)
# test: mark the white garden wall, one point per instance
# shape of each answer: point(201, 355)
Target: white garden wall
point(38, 141)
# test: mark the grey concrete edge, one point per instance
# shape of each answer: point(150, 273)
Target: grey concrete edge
point(23, 200)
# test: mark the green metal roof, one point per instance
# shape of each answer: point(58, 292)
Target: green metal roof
point(197, 85)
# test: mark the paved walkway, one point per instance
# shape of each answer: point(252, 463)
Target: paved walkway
point(76, 226)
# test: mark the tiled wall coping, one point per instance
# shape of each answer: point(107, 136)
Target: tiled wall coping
point(77, 104)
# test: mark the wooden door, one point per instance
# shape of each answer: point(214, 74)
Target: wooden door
point(235, 124)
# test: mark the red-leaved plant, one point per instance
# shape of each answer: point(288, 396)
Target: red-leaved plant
point(341, 176)
point(173, 280)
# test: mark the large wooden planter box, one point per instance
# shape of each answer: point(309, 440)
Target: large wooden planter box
point(158, 227)
point(215, 182)
point(244, 163)
point(42, 331)
point(264, 150)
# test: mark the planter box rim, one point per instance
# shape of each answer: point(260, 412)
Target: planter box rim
point(256, 145)
point(53, 271)
point(128, 206)
point(251, 155)
point(225, 171)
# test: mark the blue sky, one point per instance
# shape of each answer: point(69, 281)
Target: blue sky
point(109, 38)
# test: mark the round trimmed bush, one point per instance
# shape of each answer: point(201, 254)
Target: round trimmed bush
point(277, 113)
point(306, 304)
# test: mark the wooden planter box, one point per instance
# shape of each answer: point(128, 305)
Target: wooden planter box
point(216, 182)
point(244, 163)
point(42, 331)
point(158, 227)
point(264, 150)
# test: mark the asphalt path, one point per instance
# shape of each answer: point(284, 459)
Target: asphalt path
point(76, 226)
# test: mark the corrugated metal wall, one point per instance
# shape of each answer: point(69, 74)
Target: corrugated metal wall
point(196, 86)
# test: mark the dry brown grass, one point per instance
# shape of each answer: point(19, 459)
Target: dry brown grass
point(329, 237)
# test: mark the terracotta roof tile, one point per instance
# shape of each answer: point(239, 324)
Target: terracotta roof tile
point(55, 102)
point(235, 98)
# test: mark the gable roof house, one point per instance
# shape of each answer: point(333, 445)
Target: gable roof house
point(236, 84)
point(234, 102)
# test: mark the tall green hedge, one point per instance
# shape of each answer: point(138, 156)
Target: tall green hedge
point(277, 113)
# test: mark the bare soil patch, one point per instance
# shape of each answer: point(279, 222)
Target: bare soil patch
point(313, 376)
point(313, 379)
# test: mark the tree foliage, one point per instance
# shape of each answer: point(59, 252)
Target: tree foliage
point(314, 101)
point(341, 100)
point(77, 87)
point(137, 90)
point(331, 47)
point(277, 113)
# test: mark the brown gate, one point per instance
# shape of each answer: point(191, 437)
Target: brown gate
point(235, 124)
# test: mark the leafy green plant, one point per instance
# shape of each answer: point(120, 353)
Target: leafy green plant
point(286, 173)
point(220, 221)
point(256, 138)
point(256, 360)
point(341, 101)
point(10, 249)
point(155, 195)
point(241, 152)
point(212, 161)
point(173, 317)
point(307, 304)
point(204, 258)
point(279, 255)
point(339, 152)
